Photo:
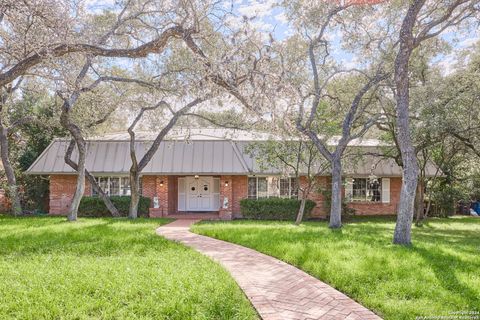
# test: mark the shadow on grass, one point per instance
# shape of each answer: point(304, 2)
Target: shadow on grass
point(99, 237)
point(443, 265)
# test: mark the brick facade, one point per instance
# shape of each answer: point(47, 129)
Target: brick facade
point(232, 188)
point(240, 191)
point(62, 188)
point(321, 183)
point(226, 198)
point(158, 186)
point(378, 208)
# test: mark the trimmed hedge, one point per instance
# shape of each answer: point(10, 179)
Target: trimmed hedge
point(274, 208)
point(94, 206)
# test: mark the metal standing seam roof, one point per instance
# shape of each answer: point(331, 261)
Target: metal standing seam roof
point(179, 157)
point(172, 157)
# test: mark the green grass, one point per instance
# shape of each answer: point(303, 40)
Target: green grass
point(108, 269)
point(438, 275)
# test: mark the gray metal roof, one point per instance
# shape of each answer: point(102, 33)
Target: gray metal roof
point(172, 157)
point(177, 157)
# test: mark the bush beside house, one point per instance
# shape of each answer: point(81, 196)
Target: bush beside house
point(274, 208)
point(94, 206)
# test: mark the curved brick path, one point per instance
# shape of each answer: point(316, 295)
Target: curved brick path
point(276, 289)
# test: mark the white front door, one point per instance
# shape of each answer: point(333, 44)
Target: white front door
point(199, 194)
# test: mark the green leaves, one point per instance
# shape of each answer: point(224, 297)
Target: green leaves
point(274, 208)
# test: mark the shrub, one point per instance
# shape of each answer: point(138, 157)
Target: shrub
point(94, 206)
point(274, 208)
point(327, 195)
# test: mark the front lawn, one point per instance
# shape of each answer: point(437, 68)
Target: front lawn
point(438, 276)
point(108, 269)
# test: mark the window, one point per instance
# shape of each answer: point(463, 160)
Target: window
point(262, 189)
point(288, 188)
point(365, 189)
point(125, 185)
point(115, 186)
point(284, 187)
point(266, 187)
point(252, 188)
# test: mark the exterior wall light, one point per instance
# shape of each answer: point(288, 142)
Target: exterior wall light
point(161, 183)
point(226, 183)
point(196, 176)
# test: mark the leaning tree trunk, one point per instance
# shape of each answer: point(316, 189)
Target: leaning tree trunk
point(10, 173)
point(106, 199)
point(336, 200)
point(135, 194)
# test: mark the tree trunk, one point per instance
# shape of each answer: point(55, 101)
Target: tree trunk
point(81, 147)
point(336, 201)
point(9, 172)
point(402, 234)
point(135, 194)
point(80, 188)
point(106, 199)
point(138, 166)
point(419, 204)
point(301, 210)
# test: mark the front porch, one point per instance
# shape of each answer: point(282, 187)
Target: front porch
point(205, 197)
point(195, 215)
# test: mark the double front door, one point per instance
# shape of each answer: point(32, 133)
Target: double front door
point(199, 193)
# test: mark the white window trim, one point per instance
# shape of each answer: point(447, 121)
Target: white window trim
point(107, 190)
point(269, 195)
point(350, 180)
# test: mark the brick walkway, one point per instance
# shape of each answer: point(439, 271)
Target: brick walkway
point(276, 289)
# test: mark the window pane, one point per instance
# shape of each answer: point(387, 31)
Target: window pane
point(284, 187)
point(94, 192)
point(125, 186)
point(114, 186)
point(103, 183)
point(273, 187)
point(374, 190)
point(359, 189)
point(294, 187)
point(262, 187)
point(252, 188)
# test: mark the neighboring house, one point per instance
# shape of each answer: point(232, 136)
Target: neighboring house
point(207, 170)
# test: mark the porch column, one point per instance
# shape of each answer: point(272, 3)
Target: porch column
point(226, 197)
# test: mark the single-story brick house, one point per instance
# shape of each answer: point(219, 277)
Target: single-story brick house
point(207, 170)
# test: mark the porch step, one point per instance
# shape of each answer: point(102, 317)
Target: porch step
point(196, 216)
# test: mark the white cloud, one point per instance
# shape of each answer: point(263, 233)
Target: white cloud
point(257, 8)
point(282, 18)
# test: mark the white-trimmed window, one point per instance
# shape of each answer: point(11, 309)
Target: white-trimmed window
point(368, 189)
point(272, 186)
point(115, 186)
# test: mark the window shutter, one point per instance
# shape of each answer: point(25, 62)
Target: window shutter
point(348, 189)
point(181, 195)
point(386, 190)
